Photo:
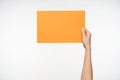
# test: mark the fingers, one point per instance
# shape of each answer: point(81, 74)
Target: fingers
point(83, 32)
point(86, 31)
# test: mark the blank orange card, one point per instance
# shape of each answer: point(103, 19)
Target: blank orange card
point(60, 26)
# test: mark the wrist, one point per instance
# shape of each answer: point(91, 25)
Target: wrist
point(88, 48)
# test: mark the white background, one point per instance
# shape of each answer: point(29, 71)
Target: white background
point(21, 58)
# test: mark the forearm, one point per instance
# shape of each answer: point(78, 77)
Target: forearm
point(87, 73)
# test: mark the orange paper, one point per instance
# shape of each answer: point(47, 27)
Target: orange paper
point(60, 26)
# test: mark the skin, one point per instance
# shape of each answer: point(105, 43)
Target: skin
point(87, 72)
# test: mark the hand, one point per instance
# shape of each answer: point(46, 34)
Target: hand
point(86, 38)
